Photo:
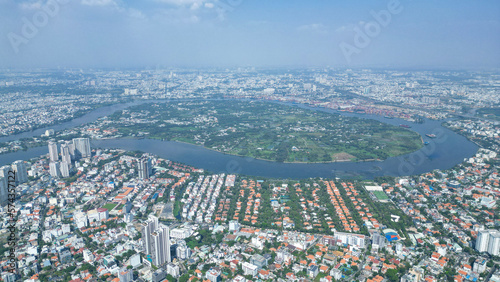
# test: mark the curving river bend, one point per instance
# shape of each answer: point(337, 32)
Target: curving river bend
point(443, 152)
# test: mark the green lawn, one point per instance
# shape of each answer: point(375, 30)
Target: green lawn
point(109, 206)
point(380, 195)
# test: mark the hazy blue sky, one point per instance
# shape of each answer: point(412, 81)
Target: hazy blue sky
point(191, 33)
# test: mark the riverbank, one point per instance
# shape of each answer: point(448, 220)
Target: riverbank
point(47, 126)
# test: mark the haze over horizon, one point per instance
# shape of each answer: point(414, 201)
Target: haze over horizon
point(225, 33)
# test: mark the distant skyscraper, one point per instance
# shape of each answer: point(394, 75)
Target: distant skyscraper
point(148, 228)
point(4, 170)
point(71, 147)
point(161, 249)
point(494, 243)
point(156, 241)
point(4, 181)
point(488, 241)
point(3, 191)
point(53, 154)
point(146, 243)
point(21, 173)
point(65, 153)
point(82, 147)
point(54, 169)
point(144, 168)
point(65, 168)
point(4, 175)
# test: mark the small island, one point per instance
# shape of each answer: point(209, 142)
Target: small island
point(264, 130)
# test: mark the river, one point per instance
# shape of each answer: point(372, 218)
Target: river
point(443, 152)
point(86, 118)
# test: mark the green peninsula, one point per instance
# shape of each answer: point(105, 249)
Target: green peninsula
point(265, 130)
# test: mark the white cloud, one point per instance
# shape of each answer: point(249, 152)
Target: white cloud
point(31, 5)
point(177, 16)
point(195, 6)
point(182, 2)
point(194, 19)
point(316, 27)
point(342, 29)
point(98, 2)
point(348, 28)
point(189, 11)
point(134, 13)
